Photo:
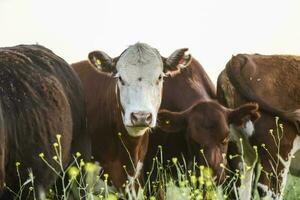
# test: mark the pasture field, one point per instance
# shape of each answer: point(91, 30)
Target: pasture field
point(292, 191)
point(84, 181)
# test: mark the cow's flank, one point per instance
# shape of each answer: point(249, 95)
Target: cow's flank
point(40, 97)
point(273, 82)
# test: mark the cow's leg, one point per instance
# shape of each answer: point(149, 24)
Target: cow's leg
point(272, 183)
point(268, 185)
point(270, 179)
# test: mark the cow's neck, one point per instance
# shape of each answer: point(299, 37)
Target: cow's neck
point(123, 150)
point(133, 146)
point(133, 150)
point(132, 157)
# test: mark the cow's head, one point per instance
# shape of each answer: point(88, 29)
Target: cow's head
point(206, 126)
point(140, 70)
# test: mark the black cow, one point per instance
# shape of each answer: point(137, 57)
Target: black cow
point(40, 97)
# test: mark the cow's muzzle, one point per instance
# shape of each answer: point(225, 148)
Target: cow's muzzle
point(141, 119)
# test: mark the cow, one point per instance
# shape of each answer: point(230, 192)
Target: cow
point(272, 81)
point(123, 95)
point(190, 119)
point(41, 102)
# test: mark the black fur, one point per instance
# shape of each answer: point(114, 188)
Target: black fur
point(40, 96)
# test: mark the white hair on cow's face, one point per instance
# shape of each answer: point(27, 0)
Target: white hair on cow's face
point(248, 129)
point(140, 72)
point(140, 53)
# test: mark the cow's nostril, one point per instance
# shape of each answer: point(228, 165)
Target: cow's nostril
point(134, 118)
point(141, 118)
point(149, 118)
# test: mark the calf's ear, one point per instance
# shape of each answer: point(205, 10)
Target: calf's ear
point(102, 61)
point(171, 121)
point(177, 60)
point(244, 113)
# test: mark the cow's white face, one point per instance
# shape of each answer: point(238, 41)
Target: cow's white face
point(140, 76)
point(139, 70)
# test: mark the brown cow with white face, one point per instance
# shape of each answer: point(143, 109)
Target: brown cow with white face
point(274, 83)
point(191, 119)
point(123, 95)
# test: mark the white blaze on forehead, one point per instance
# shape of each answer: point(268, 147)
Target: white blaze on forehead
point(139, 68)
point(139, 61)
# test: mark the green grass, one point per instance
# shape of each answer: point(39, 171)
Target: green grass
point(86, 180)
point(292, 190)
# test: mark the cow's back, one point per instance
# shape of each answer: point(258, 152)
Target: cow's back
point(46, 60)
point(189, 86)
point(273, 82)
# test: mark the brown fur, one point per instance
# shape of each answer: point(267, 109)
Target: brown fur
point(191, 120)
point(274, 83)
point(104, 124)
point(104, 113)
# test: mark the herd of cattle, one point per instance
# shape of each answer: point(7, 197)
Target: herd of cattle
point(141, 100)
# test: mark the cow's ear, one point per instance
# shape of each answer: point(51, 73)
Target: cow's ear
point(177, 60)
point(244, 113)
point(102, 61)
point(171, 121)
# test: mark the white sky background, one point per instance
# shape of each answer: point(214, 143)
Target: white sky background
point(213, 30)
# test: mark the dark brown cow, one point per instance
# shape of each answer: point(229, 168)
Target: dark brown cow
point(274, 83)
point(191, 119)
point(40, 97)
point(124, 98)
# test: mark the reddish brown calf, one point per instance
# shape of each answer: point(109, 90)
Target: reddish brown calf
point(206, 126)
point(191, 119)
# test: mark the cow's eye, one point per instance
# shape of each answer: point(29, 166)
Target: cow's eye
point(121, 80)
point(225, 140)
point(160, 77)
